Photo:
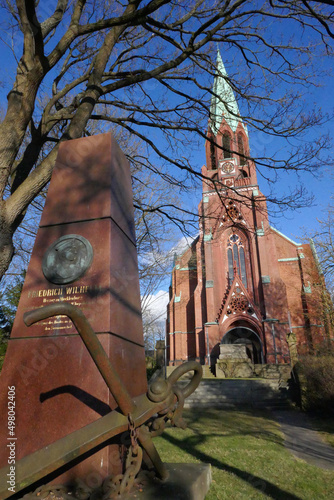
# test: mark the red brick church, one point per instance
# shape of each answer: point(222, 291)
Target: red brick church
point(241, 282)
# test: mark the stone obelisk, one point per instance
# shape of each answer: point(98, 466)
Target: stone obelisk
point(84, 255)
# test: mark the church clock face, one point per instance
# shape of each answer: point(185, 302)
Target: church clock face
point(227, 167)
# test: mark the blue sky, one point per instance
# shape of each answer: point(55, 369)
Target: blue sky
point(320, 185)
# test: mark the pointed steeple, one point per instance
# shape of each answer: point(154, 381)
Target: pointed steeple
point(223, 102)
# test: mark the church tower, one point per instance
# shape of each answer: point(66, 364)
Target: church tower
point(241, 282)
point(227, 145)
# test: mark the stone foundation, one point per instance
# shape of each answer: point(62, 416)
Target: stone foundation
point(234, 368)
point(240, 368)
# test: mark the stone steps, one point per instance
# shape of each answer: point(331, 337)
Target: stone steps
point(233, 393)
point(207, 373)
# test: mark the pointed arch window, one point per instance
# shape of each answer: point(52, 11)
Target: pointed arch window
point(236, 259)
point(243, 266)
point(241, 150)
point(230, 265)
point(227, 145)
point(213, 165)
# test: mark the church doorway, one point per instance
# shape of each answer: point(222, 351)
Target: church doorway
point(246, 336)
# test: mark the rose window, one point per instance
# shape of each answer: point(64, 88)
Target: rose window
point(238, 303)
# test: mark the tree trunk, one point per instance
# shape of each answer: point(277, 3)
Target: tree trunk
point(6, 241)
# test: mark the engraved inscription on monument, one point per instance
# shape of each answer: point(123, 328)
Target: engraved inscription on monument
point(67, 259)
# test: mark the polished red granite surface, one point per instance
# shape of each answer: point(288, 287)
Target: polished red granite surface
point(58, 387)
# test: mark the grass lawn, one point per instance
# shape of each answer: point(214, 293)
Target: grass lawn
point(247, 455)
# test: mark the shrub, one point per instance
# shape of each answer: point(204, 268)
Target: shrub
point(151, 366)
point(315, 376)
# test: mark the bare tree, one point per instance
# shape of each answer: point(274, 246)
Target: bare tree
point(148, 67)
point(154, 330)
point(324, 242)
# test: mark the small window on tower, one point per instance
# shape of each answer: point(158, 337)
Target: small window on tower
point(241, 150)
point(212, 155)
point(227, 145)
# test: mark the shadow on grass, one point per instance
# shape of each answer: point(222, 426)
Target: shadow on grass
point(191, 443)
point(255, 482)
point(235, 423)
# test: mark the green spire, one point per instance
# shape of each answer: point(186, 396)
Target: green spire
point(223, 102)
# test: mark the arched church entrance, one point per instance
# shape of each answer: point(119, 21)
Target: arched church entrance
point(242, 335)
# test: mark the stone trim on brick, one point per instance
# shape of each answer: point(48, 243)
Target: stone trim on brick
point(304, 326)
point(290, 259)
point(177, 298)
point(182, 333)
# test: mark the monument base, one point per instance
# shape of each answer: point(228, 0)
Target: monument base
point(233, 362)
point(185, 482)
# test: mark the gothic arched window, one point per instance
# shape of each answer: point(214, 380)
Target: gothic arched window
point(227, 145)
point(212, 165)
point(241, 150)
point(236, 259)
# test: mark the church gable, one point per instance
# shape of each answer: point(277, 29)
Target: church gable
point(237, 302)
point(285, 246)
point(187, 258)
